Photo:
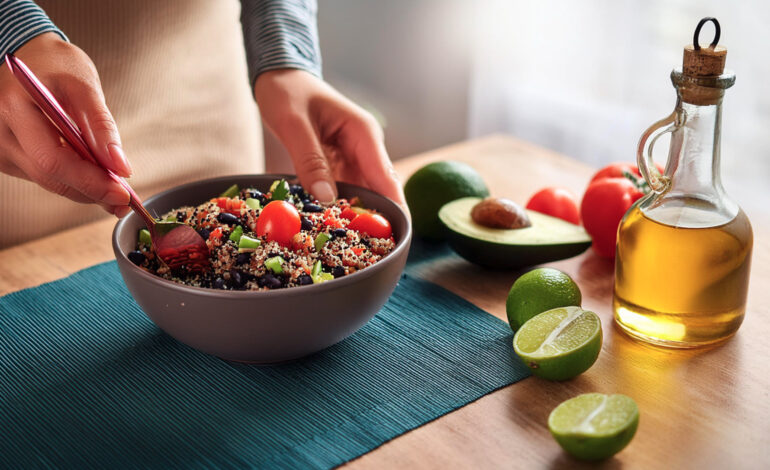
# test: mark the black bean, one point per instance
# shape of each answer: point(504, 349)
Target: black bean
point(181, 216)
point(306, 223)
point(270, 281)
point(256, 194)
point(338, 271)
point(136, 257)
point(365, 242)
point(296, 189)
point(242, 258)
point(227, 218)
point(304, 280)
point(219, 283)
point(340, 233)
point(312, 208)
point(204, 233)
point(237, 279)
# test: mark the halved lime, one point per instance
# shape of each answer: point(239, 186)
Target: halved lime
point(594, 426)
point(559, 344)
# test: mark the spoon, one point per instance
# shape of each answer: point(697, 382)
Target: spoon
point(177, 245)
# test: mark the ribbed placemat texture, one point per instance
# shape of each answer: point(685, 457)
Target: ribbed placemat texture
point(87, 381)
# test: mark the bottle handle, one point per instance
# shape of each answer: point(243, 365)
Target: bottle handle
point(647, 168)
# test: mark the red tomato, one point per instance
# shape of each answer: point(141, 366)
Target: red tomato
point(301, 242)
point(556, 202)
point(279, 221)
point(616, 170)
point(373, 225)
point(604, 204)
point(348, 213)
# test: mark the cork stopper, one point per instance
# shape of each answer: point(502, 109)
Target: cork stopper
point(704, 62)
point(702, 79)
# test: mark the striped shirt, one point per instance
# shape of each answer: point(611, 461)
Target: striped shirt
point(277, 33)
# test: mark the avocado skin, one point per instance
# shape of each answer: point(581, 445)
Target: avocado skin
point(503, 256)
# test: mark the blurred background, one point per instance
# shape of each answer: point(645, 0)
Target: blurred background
point(582, 78)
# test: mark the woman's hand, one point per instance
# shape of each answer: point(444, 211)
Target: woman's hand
point(328, 136)
point(30, 146)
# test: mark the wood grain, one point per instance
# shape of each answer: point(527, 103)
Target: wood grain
point(699, 409)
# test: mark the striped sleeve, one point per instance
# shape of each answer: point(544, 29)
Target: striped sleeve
point(20, 21)
point(280, 34)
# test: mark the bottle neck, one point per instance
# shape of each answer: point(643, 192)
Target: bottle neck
point(694, 158)
point(694, 196)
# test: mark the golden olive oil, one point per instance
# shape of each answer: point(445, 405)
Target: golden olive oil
point(679, 281)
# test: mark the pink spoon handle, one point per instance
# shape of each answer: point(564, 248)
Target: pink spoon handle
point(67, 128)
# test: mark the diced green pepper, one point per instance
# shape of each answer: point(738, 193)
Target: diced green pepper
point(232, 191)
point(279, 190)
point(252, 203)
point(322, 277)
point(316, 269)
point(236, 234)
point(246, 243)
point(320, 241)
point(144, 237)
point(171, 218)
point(274, 264)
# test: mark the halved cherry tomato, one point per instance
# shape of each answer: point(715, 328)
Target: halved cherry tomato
point(349, 213)
point(373, 225)
point(233, 206)
point(279, 221)
point(556, 202)
point(301, 242)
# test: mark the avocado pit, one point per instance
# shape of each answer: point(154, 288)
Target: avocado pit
point(497, 212)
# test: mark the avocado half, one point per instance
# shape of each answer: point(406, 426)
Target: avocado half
point(548, 239)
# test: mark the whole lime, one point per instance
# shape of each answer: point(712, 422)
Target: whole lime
point(434, 185)
point(537, 291)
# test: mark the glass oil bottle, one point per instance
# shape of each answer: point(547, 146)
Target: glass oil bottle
point(684, 251)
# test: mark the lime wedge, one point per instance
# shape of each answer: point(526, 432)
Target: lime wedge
point(594, 426)
point(559, 344)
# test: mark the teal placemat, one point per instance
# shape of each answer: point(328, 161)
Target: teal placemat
point(87, 381)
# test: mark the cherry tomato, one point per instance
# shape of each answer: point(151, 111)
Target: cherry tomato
point(603, 206)
point(556, 202)
point(301, 242)
point(279, 221)
point(616, 170)
point(348, 213)
point(373, 225)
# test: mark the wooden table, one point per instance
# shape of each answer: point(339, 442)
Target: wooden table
point(699, 409)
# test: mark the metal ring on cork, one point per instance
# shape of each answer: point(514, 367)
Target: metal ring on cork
point(717, 33)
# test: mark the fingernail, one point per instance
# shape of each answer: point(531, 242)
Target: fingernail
point(122, 211)
point(116, 198)
point(119, 159)
point(323, 191)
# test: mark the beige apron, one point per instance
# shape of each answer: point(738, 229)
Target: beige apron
point(174, 76)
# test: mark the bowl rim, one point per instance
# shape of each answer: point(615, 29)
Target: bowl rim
point(401, 246)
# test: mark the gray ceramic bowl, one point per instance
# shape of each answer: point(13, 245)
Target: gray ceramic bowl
point(266, 326)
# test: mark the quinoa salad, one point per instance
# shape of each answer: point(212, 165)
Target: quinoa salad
point(277, 239)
